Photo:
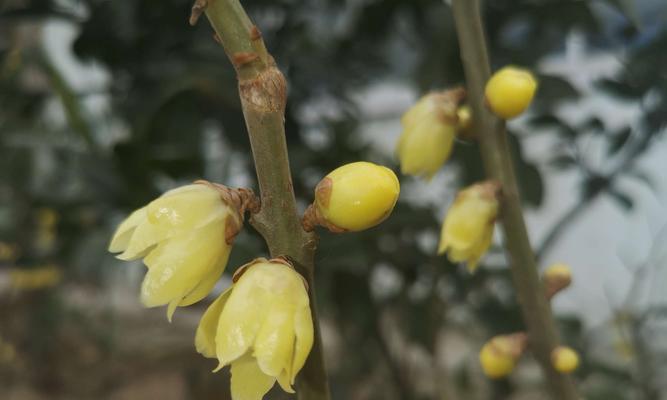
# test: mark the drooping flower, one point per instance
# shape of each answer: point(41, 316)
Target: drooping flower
point(184, 237)
point(510, 91)
point(353, 197)
point(565, 360)
point(467, 231)
point(429, 130)
point(500, 354)
point(261, 326)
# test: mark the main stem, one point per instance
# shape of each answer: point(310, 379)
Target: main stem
point(498, 163)
point(262, 88)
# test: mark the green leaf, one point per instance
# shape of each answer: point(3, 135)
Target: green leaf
point(620, 90)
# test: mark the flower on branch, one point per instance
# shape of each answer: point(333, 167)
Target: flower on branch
point(468, 227)
point(565, 360)
point(184, 238)
point(261, 326)
point(354, 197)
point(510, 91)
point(500, 354)
point(429, 130)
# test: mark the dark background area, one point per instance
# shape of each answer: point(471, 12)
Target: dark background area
point(399, 321)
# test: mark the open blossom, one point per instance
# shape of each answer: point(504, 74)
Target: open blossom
point(468, 228)
point(184, 238)
point(429, 130)
point(261, 326)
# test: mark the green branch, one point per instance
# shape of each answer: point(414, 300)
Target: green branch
point(498, 164)
point(262, 88)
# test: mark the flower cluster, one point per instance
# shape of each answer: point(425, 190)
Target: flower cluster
point(262, 325)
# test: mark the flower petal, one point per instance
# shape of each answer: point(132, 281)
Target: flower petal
point(248, 381)
point(284, 381)
point(275, 340)
point(177, 212)
point(178, 265)
point(206, 331)
point(121, 238)
point(303, 329)
point(241, 318)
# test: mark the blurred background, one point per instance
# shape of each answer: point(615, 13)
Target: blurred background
point(106, 104)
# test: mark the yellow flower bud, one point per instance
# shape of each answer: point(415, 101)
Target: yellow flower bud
point(556, 278)
point(353, 197)
point(464, 114)
point(429, 129)
point(262, 326)
point(185, 238)
point(565, 360)
point(510, 91)
point(468, 227)
point(500, 354)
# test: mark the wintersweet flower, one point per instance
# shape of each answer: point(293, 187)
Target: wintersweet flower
point(565, 360)
point(184, 237)
point(468, 227)
point(353, 197)
point(429, 130)
point(510, 91)
point(556, 278)
point(500, 354)
point(261, 326)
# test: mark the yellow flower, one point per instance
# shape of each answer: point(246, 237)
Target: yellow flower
point(556, 278)
point(429, 129)
point(353, 197)
point(468, 228)
point(34, 278)
point(185, 238)
point(510, 91)
point(262, 326)
point(500, 354)
point(565, 360)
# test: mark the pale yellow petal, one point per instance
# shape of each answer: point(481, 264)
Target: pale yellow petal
point(241, 318)
point(208, 282)
point(174, 215)
point(303, 329)
point(284, 381)
point(121, 238)
point(178, 265)
point(207, 328)
point(424, 150)
point(275, 340)
point(248, 381)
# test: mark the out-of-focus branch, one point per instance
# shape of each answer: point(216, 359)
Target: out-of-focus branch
point(262, 89)
point(498, 164)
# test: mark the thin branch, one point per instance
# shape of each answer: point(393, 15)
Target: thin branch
point(498, 164)
point(262, 89)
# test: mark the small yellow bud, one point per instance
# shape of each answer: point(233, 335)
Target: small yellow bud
point(262, 326)
point(468, 228)
point(185, 238)
point(556, 278)
point(353, 197)
point(464, 127)
point(510, 91)
point(565, 360)
point(429, 129)
point(500, 354)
